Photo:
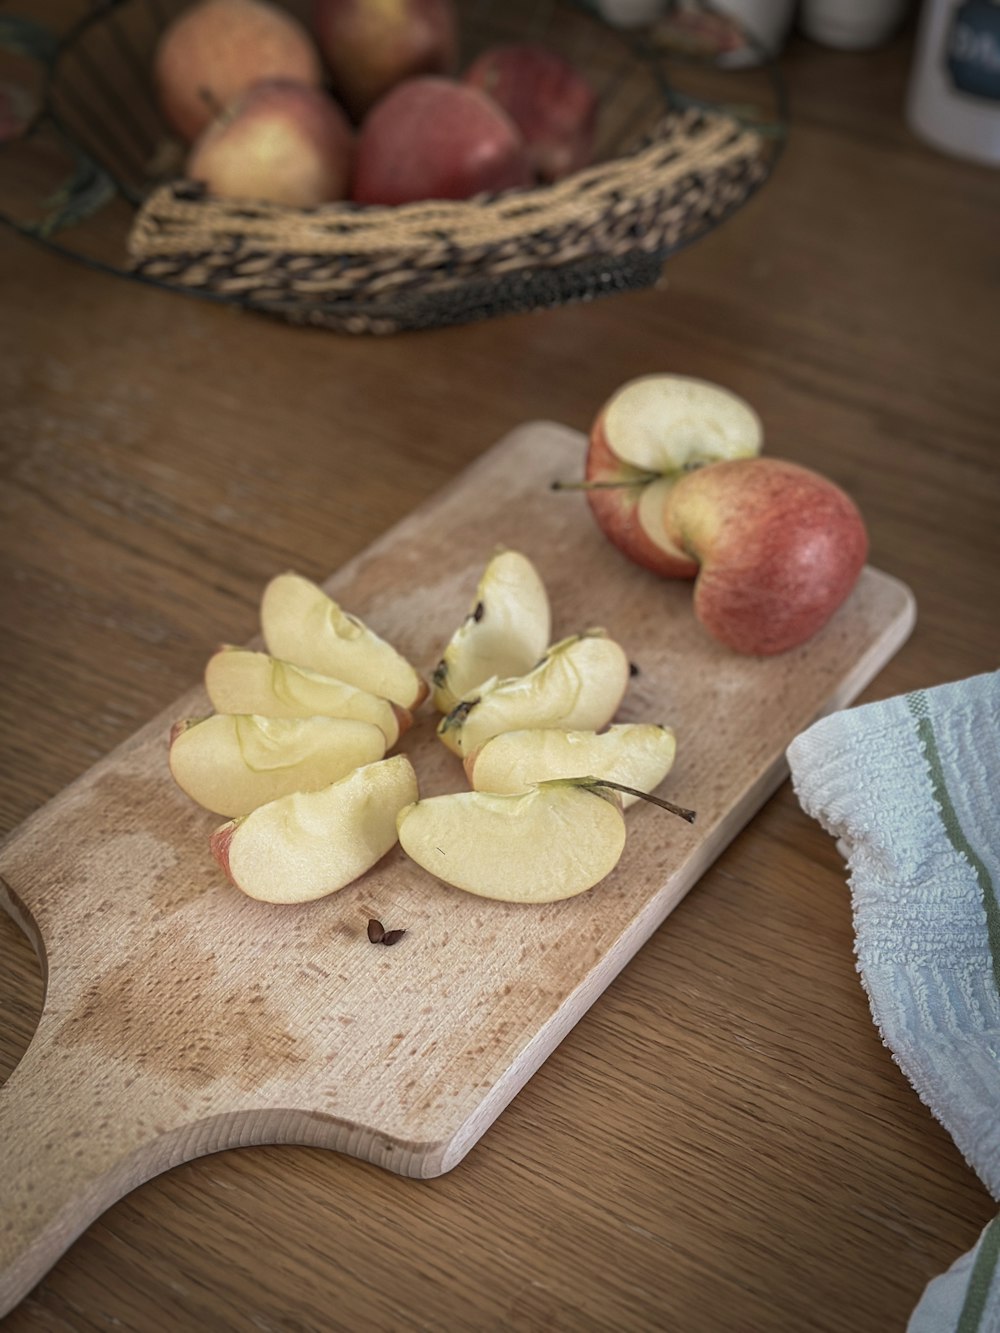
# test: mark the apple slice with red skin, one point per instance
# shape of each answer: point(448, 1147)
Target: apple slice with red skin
point(779, 548)
point(650, 432)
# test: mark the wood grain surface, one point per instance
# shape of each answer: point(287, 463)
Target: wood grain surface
point(721, 1143)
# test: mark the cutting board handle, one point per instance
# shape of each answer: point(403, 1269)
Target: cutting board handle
point(65, 1157)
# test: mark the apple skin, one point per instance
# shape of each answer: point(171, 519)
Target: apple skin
point(616, 510)
point(432, 138)
point(280, 142)
point(372, 45)
point(549, 101)
point(780, 548)
point(217, 49)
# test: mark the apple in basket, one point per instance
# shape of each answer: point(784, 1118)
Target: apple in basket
point(547, 98)
point(372, 47)
point(279, 142)
point(433, 138)
point(216, 49)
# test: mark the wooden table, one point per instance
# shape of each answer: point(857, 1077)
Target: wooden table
point(722, 1143)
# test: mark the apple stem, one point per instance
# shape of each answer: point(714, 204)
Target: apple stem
point(681, 811)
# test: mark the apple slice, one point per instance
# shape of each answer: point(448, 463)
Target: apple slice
point(640, 755)
point(505, 633)
point(649, 433)
point(309, 844)
point(552, 842)
point(578, 684)
point(239, 680)
point(301, 624)
point(232, 764)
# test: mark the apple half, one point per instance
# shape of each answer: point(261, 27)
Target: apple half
point(578, 684)
point(310, 844)
point(239, 680)
point(301, 624)
point(651, 432)
point(504, 634)
point(232, 764)
point(540, 846)
point(636, 754)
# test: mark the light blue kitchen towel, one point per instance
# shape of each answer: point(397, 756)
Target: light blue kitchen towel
point(910, 787)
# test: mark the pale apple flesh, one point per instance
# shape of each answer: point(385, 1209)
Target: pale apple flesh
point(232, 764)
point(578, 685)
point(780, 549)
point(239, 680)
point(214, 51)
point(650, 433)
point(550, 843)
point(505, 633)
point(636, 754)
point(278, 142)
point(301, 624)
point(310, 844)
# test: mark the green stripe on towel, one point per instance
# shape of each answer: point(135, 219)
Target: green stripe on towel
point(917, 703)
point(980, 1279)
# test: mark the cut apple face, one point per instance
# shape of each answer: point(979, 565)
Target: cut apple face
point(301, 624)
point(638, 755)
point(504, 634)
point(239, 680)
point(651, 432)
point(553, 842)
point(311, 844)
point(578, 684)
point(233, 764)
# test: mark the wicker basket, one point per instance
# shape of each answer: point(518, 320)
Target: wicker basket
point(667, 172)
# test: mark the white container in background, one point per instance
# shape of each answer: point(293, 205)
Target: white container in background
point(767, 21)
point(851, 25)
point(953, 99)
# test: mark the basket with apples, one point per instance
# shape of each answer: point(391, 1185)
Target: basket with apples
point(373, 165)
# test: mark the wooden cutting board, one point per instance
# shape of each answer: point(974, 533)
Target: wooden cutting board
point(181, 1017)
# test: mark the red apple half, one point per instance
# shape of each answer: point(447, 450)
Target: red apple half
point(778, 549)
point(651, 432)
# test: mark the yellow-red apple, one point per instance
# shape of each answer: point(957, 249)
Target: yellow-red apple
point(216, 49)
point(650, 432)
point(432, 138)
point(547, 98)
point(371, 45)
point(778, 548)
point(279, 142)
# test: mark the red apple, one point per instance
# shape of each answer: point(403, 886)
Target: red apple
point(215, 50)
point(371, 45)
point(279, 142)
point(779, 548)
point(549, 101)
point(432, 138)
point(647, 435)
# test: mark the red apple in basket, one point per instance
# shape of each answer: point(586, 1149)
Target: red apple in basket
point(648, 434)
point(279, 142)
point(217, 49)
point(371, 45)
point(431, 138)
point(778, 549)
point(549, 101)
